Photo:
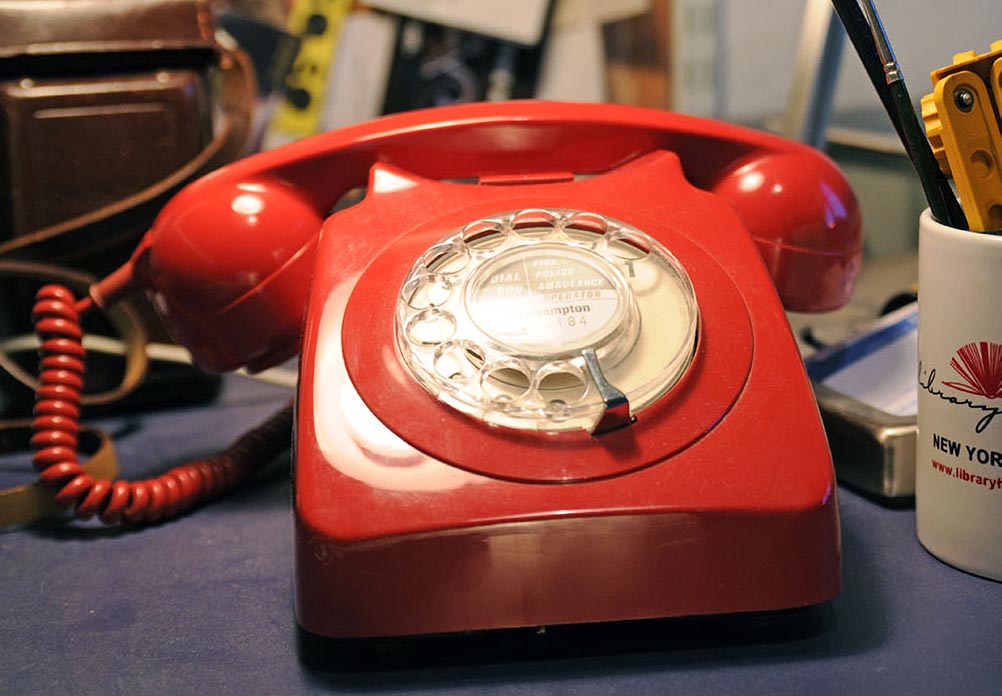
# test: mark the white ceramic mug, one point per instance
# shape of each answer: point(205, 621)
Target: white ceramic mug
point(958, 475)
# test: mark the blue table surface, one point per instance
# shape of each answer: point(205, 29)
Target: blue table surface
point(203, 604)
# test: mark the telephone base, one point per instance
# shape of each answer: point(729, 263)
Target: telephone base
point(568, 569)
point(446, 477)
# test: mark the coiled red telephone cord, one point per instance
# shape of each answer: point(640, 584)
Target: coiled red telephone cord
point(56, 315)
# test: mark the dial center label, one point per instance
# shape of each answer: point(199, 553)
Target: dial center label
point(546, 299)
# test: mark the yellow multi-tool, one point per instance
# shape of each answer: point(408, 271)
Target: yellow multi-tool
point(962, 121)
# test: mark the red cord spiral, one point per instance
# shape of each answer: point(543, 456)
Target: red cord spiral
point(56, 423)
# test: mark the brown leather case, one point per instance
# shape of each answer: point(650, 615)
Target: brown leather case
point(106, 109)
point(73, 145)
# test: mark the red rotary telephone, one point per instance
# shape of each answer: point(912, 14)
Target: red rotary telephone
point(546, 376)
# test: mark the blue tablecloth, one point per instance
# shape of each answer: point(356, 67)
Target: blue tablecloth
point(203, 604)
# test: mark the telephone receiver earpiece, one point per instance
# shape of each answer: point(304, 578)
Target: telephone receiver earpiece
point(228, 261)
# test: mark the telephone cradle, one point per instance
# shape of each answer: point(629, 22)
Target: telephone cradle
point(546, 376)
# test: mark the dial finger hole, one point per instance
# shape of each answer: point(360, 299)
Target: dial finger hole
point(505, 382)
point(628, 246)
point(534, 224)
point(446, 259)
point(484, 236)
point(423, 292)
point(586, 228)
point(458, 360)
point(431, 327)
point(561, 382)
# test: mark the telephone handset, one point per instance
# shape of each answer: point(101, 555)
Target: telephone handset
point(210, 275)
point(545, 374)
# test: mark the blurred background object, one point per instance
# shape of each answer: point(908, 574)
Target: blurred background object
point(360, 59)
point(111, 107)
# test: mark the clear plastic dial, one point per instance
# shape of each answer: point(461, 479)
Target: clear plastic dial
point(496, 317)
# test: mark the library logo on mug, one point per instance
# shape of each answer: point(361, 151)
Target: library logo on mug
point(979, 367)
